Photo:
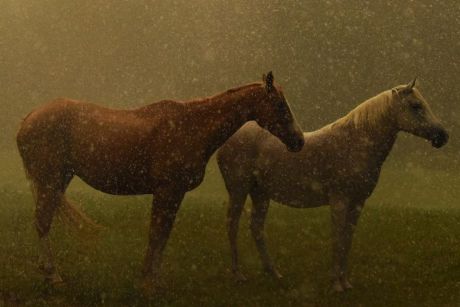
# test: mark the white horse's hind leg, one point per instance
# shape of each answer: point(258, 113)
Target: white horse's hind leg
point(260, 204)
point(235, 207)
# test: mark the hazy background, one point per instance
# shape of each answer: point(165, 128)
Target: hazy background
point(328, 55)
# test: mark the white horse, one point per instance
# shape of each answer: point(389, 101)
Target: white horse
point(339, 165)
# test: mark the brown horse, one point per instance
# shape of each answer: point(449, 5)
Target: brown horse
point(160, 149)
point(339, 165)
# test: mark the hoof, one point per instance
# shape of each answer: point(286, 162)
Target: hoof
point(150, 287)
point(54, 280)
point(346, 284)
point(337, 287)
point(277, 275)
point(274, 273)
point(239, 277)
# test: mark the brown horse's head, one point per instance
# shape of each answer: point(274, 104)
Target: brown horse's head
point(414, 115)
point(275, 115)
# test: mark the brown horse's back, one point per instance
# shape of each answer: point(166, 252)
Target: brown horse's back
point(66, 137)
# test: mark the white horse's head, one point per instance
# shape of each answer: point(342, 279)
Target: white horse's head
point(414, 115)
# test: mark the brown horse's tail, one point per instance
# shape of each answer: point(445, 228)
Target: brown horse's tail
point(71, 215)
point(79, 222)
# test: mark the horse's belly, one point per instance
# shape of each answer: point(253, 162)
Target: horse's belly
point(299, 196)
point(115, 177)
point(119, 185)
point(113, 171)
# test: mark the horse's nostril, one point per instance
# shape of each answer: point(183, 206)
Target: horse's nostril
point(440, 138)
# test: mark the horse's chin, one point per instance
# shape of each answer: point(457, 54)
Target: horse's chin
point(296, 146)
point(438, 143)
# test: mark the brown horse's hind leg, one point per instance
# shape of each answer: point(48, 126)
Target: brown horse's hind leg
point(235, 207)
point(260, 204)
point(47, 200)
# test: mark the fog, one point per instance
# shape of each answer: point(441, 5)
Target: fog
point(329, 56)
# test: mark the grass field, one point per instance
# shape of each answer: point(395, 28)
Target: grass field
point(406, 250)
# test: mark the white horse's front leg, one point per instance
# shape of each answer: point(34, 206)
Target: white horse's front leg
point(339, 209)
point(344, 215)
point(353, 213)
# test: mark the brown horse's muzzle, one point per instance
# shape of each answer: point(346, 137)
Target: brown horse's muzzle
point(439, 138)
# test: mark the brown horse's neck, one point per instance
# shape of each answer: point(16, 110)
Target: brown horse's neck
point(220, 116)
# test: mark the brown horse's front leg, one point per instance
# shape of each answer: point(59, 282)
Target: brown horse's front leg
point(165, 206)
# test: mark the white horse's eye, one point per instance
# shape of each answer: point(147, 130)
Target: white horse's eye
point(416, 106)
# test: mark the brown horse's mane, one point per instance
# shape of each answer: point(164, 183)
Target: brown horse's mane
point(222, 94)
point(240, 88)
point(169, 103)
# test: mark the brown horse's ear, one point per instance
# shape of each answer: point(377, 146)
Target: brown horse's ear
point(408, 88)
point(268, 80)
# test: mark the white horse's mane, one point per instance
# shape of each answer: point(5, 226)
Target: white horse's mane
point(370, 112)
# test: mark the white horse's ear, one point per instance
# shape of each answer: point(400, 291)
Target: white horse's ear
point(408, 88)
point(412, 83)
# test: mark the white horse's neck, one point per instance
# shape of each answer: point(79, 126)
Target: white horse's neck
point(371, 125)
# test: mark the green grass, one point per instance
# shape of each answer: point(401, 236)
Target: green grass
point(406, 250)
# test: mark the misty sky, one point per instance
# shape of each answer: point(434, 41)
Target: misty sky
point(327, 55)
